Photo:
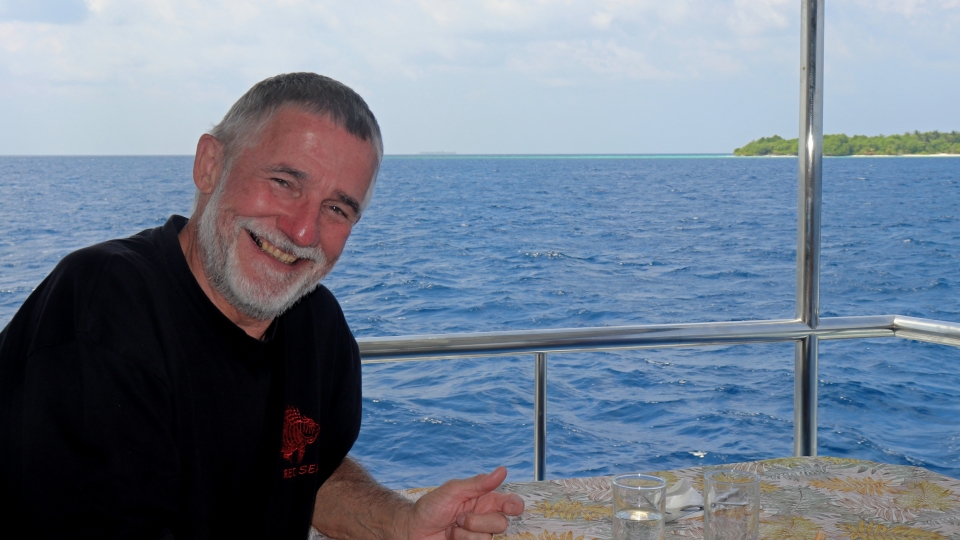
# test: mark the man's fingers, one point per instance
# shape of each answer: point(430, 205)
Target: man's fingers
point(477, 526)
point(477, 486)
point(456, 533)
point(493, 523)
point(509, 504)
point(513, 506)
point(493, 480)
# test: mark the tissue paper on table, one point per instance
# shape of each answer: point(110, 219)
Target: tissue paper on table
point(682, 501)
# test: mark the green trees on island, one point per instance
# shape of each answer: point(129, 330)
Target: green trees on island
point(931, 142)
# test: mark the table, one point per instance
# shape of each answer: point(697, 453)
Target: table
point(801, 498)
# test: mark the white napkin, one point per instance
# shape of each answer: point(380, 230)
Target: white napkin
point(682, 501)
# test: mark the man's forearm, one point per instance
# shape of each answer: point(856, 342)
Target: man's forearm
point(351, 505)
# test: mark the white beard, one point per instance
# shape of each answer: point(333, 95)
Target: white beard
point(267, 294)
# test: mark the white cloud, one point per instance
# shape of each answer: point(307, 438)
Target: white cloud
point(11, 40)
point(752, 17)
point(600, 20)
point(170, 39)
point(97, 6)
point(201, 54)
point(909, 8)
point(545, 59)
point(511, 9)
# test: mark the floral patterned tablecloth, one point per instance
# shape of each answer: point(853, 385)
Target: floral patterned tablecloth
point(801, 498)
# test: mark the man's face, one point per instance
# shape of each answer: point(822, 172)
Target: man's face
point(278, 220)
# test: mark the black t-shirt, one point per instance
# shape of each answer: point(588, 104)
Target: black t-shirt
point(131, 406)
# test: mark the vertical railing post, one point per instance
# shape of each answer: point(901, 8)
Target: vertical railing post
point(810, 151)
point(540, 417)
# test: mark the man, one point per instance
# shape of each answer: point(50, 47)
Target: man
point(194, 381)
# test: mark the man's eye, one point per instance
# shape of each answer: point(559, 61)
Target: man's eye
point(281, 182)
point(341, 212)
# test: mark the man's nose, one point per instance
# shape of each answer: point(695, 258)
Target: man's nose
point(301, 223)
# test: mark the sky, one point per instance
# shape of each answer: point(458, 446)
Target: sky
point(147, 77)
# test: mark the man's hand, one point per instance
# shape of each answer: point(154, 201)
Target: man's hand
point(463, 510)
point(352, 506)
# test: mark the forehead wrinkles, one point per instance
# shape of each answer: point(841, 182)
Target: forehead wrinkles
point(303, 138)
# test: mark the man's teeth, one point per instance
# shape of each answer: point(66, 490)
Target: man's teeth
point(279, 255)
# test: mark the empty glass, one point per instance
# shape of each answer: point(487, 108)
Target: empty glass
point(731, 505)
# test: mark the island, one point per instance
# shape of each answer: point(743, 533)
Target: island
point(916, 143)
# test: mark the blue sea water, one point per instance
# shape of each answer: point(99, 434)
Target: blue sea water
point(482, 243)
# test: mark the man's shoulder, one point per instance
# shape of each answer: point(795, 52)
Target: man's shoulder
point(144, 247)
point(106, 268)
point(113, 280)
point(138, 258)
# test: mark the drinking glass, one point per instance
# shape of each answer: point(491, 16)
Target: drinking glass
point(731, 505)
point(638, 504)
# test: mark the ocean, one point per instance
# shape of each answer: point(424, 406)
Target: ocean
point(484, 243)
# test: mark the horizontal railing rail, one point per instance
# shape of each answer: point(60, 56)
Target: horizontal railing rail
point(645, 336)
point(648, 336)
point(929, 330)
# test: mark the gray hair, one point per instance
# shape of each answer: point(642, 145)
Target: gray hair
point(309, 92)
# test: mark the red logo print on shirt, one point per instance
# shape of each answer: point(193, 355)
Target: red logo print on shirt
point(298, 432)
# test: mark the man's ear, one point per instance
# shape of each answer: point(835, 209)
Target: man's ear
point(208, 163)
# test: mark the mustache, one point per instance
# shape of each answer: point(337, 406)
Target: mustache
point(283, 243)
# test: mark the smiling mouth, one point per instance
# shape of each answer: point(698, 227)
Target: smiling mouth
point(273, 250)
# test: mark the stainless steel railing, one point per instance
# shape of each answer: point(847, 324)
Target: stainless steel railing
point(805, 330)
point(648, 336)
